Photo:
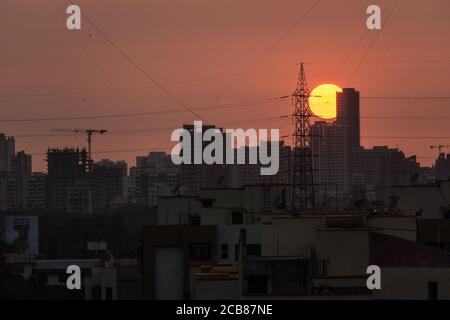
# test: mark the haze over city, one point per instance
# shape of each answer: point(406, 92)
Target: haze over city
point(213, 53)
point(251, 156)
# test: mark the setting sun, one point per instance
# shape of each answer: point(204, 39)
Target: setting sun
point(322, 100)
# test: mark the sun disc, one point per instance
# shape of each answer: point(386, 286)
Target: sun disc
point(322, 100)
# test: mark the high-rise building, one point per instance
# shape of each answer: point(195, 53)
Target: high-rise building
point(9, 191)
point(192, 131)
point(21, 164)
point(442, 167)
point(331, 159)
point(153, 160)
point(13, 182)
point(381, 166)
point(7, 151)
point(122, 165)
point(347, 115)
point(80, 197)
point(37, 191)
point(239, 175)
point(345, 169)
point(108, 182)
point(67, 175)
point(197, 176)
point(21, 169)
point(155, 175)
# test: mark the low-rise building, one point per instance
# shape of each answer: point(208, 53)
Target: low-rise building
point(167, 253)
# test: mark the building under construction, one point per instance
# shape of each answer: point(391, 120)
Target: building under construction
point(68, 183)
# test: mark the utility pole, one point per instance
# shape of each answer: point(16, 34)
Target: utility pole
point(303, 198)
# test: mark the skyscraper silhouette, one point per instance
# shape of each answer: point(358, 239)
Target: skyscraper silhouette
point(347, 110)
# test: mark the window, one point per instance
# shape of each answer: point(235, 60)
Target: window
point(42, 278)
point(237, 217)
point(266, 195)
point(194, 220)
point(183, 218)
point(109, 293)
point(200, 251)
point(432, 290)
point(224, 251)
point(62, 277)
point(254, 250)
point(207, 203)
point(96, 293)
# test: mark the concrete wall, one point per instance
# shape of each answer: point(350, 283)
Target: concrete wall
point(170, 208)
point(412, 283)
point(214, 281)
point(290, 236)
point(251, 200)
point(104, 278)
point(414, 198)
point(403, 227)
point(347, 251)
point(229, 235)
point(216, 290)
point(157, 237)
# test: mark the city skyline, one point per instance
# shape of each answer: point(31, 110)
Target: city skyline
point(85, 76)
point(227, 151)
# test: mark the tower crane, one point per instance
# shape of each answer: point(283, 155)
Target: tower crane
point(439, 147)
point(89, 133)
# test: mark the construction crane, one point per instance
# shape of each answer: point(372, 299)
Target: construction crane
point(89, 133)
point(439, 147)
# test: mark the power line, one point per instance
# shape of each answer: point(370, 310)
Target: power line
point(131, 61)
point(167, 129)
point(93, 61)
point(250, 121)
point(372, 43)
point(406, 61)
point(406, 137)
point(350, 52)
point(403, 118)
point(126, 115)
point(405, 97)
point(206, 79)
point(339, 66)
point(175, 83)
point(161, 129)
point(270, 48)
point(443, 117)
point(241, 104)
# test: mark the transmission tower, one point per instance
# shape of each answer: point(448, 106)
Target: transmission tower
point(302, 180)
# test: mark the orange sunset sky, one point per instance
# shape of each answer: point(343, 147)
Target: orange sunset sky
point(216, 52)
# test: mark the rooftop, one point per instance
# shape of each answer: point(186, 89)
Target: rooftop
point(388, 251)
